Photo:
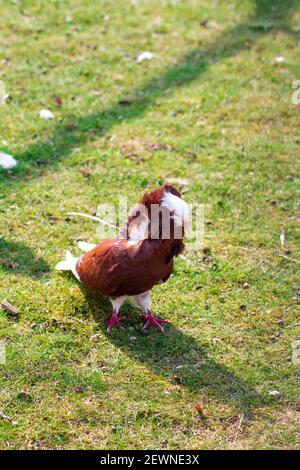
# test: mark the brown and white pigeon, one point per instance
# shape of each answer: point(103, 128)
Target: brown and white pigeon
point(142, 256)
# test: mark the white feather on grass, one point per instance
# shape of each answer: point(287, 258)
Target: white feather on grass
point(145, 56)
point(46, 114)
point(69, 264)
point(7, 162)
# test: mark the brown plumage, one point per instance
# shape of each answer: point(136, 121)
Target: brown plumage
point(131, 264)
point(116, 268)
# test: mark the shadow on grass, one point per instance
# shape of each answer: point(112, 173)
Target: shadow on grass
point(177, 357)
point(269, 15)
point(17, 258)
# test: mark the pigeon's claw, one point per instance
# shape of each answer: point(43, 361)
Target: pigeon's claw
point(114, 320)
point(152, 320)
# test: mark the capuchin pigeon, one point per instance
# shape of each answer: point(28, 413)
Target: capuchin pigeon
point(142, 256)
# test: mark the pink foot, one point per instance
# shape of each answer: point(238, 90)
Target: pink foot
point(151, 320)
point(114, 321)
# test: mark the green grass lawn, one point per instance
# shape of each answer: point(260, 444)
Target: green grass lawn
point(212, 108)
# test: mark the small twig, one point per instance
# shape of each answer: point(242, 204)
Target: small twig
point(68, 320)
point(93, 217)
point(289, 258)
point(9, 308)
point(238, 428)
point(292, 325)
point(7, 418)
point(279, 254)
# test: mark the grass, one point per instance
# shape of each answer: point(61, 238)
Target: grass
point(220, 110)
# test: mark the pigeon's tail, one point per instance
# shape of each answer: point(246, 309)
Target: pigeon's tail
point(86, 246)
point(69, 264)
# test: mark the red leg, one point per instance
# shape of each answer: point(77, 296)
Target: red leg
point(152, 320)
point(114, 320)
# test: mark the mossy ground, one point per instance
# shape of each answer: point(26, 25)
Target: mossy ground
point(220, 109)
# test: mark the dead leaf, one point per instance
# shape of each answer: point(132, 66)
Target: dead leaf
point(210, 24)
point(85, 171)
point(52, 219)
point(24, 395)
point(58, 100)
point(11, 265)
point(71, 127)
point(199, 407)
point(162, 147)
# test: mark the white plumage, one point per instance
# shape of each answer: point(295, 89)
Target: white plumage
point(178, 206)
point(69, 264)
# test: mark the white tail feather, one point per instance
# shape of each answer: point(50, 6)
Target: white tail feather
point(69, 264)
point(84, 246)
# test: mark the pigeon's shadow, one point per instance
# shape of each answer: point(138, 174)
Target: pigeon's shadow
point(176, 356)
point(17, 258)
